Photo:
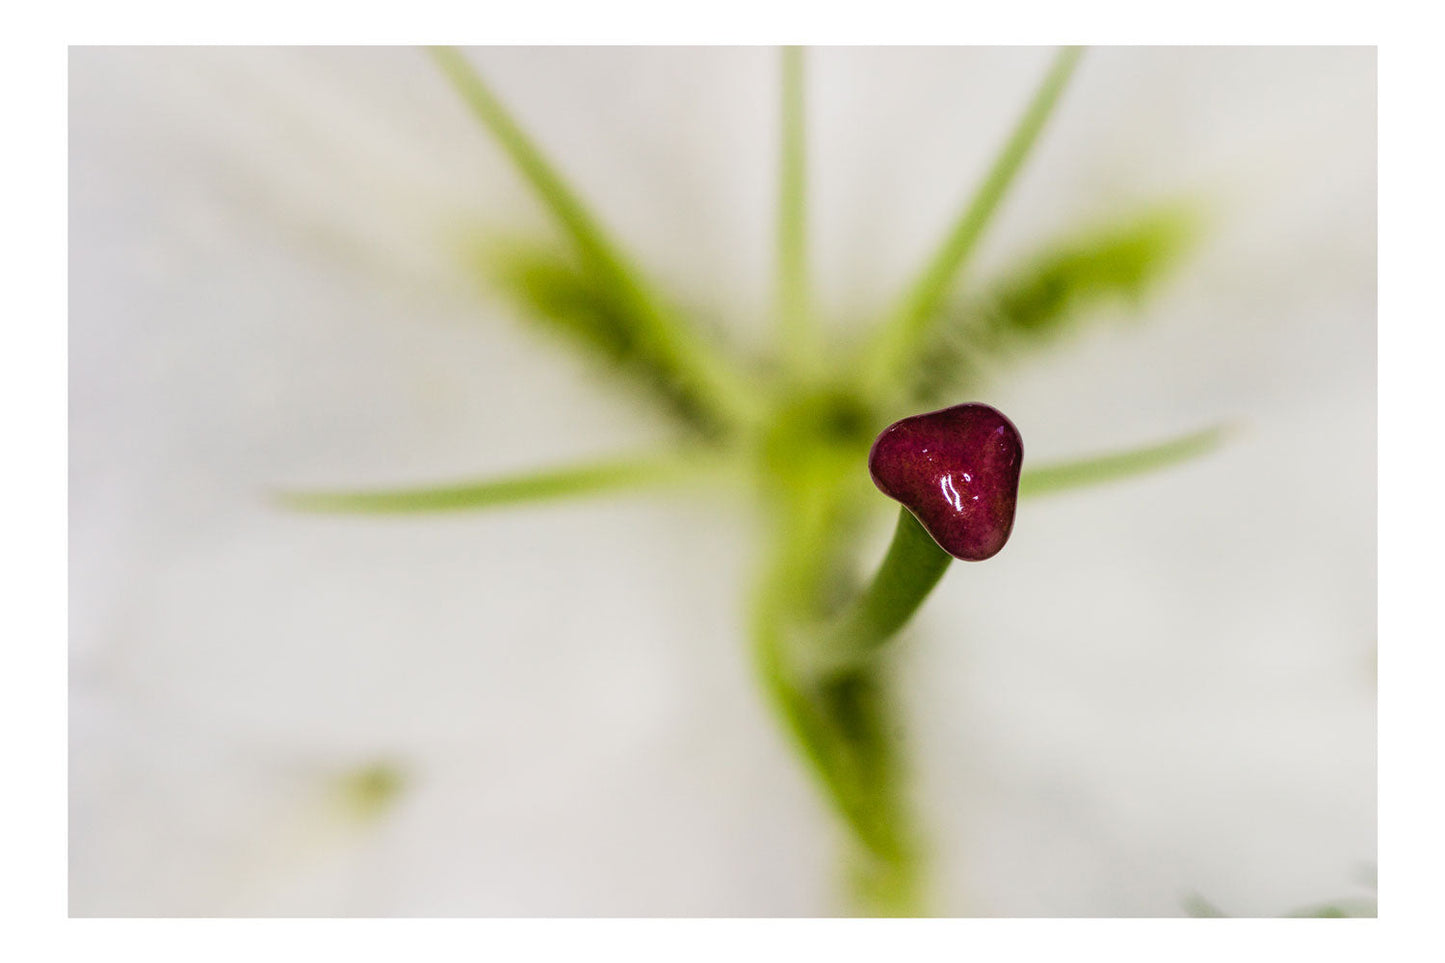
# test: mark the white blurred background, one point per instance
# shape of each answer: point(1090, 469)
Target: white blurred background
point(1159, 689)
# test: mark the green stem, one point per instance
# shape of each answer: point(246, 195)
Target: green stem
point(891, 354)
point(800, 342)
point(844, 726)
point(909, 571)
point(844, 729)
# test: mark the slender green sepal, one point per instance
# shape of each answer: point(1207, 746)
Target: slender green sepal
point(569, 482)
point(892, 351)
point(1116, 466)
point(672, 342)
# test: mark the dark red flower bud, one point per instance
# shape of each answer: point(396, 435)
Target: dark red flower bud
point(957, 471)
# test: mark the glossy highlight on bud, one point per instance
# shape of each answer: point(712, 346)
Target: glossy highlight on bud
point(957, 471)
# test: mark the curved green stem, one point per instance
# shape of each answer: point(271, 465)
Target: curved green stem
point(843, 725)
point(830, 687)
point(913, 566)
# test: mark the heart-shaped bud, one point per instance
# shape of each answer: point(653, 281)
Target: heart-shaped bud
point(957, 471)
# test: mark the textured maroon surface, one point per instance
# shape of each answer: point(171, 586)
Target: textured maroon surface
point(957, 471)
